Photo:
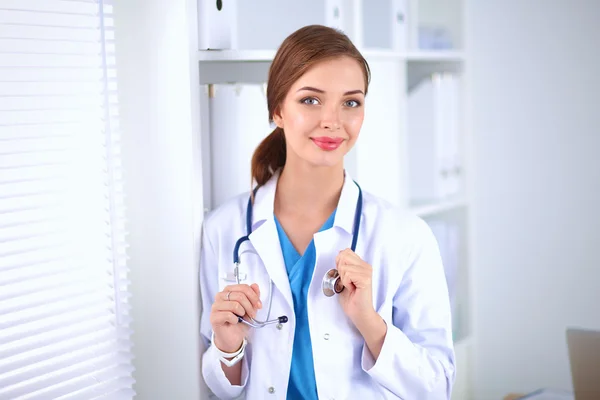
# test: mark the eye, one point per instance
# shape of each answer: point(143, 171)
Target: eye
point(309, 101)
point(352, 103)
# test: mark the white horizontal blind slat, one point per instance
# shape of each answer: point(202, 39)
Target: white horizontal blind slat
point(64, 287)
point(92, 297)
point(64, 7)
point(53, 353)
point(58, 321)
point(91, 380)
point(103, 390)
point(29, 130)
point(68, 362)
point(19, 299)
point(118, 394)
point(31, 342)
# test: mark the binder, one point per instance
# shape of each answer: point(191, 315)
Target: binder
point(426, 141)
point(435, 139)
point(217, 24)
point(334, 14)
point(447, 134)
point(455, 174)
point(400, 25)
point(383, 24)
point(413, 24)
point(238, 117)
point(447, 236)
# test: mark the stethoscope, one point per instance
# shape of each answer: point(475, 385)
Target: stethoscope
point(331, 283)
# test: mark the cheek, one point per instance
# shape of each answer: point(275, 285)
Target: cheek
point(299, 121)
point(353, 124)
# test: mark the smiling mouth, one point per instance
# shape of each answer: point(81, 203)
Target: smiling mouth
point(327, 143)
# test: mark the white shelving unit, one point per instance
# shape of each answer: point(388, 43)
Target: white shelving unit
point(396, 70)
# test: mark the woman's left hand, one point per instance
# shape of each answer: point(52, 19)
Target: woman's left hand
point(356, 276)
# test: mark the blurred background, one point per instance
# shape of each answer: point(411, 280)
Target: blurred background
point(490, 110)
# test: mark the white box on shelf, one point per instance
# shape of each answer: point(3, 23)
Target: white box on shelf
point(264, 24)
point(238, 123)
point(384, 24)
point(438, 24)
point(217, 24)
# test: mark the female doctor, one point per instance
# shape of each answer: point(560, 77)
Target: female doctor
point(387, 334)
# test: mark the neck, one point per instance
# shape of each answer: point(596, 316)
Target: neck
point(307, 190)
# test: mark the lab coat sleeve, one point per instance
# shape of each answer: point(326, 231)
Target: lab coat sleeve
point(212, 371)
point(417, 358)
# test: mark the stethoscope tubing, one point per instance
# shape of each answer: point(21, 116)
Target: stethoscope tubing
point(327, 280)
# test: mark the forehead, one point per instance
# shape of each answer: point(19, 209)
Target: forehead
point(333, 75)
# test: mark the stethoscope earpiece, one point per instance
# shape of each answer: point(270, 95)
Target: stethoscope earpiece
point(332, 284)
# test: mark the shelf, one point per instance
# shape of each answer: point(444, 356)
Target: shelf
point(267, 55)
point(435, 56)
point(421, 64)
point(236, 55)
point(252, 66)
point(436, 208)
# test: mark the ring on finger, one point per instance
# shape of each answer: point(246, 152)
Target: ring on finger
point(228, 294)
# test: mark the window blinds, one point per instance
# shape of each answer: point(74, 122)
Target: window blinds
point(64, 301)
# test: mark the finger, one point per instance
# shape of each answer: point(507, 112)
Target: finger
point(345, 265)
point(359, 276)
point(247, 290)
point(256, 289)
point(221, 318)
point(347, 280)
point(343, 271)
point(240, 298)
point(348, 256)
point(230, 306)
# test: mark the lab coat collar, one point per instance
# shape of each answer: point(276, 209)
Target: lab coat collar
point(264, 236)
point(264, 203)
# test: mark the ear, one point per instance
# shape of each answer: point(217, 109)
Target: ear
point(278, 119)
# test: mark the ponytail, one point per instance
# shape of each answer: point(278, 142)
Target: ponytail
point(268, 157)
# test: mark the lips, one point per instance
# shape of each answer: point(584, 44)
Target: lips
point(328, 143)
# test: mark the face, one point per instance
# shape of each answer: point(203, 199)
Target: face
point(323, 112)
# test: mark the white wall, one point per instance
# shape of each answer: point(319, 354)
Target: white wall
point(159, 101)
point(536, 121)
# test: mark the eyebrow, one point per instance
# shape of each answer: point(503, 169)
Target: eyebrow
point(312, 89)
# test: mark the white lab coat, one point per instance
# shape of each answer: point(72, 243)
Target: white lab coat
point(409, 292)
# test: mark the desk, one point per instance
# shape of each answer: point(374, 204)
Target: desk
point(513, 396)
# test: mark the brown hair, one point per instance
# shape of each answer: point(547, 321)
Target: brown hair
point(298, 52)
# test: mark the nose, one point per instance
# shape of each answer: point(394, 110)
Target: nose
point(330, 119)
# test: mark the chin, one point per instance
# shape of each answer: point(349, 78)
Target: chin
point(327, 160)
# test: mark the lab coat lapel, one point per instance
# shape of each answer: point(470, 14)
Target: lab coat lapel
point(265, 238)
point(266, 243)
point(330, 242)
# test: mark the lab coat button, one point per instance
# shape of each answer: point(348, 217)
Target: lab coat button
point(271, 390)
point(326, 336)
point(279, 326)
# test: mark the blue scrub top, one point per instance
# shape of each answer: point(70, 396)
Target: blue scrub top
point(302, 383)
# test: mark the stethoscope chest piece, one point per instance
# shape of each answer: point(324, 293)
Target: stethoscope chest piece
point(332, 284)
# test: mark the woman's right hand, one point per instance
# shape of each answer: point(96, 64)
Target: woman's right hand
point(243, 300)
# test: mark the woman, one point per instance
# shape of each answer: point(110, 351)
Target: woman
point(388, 333)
